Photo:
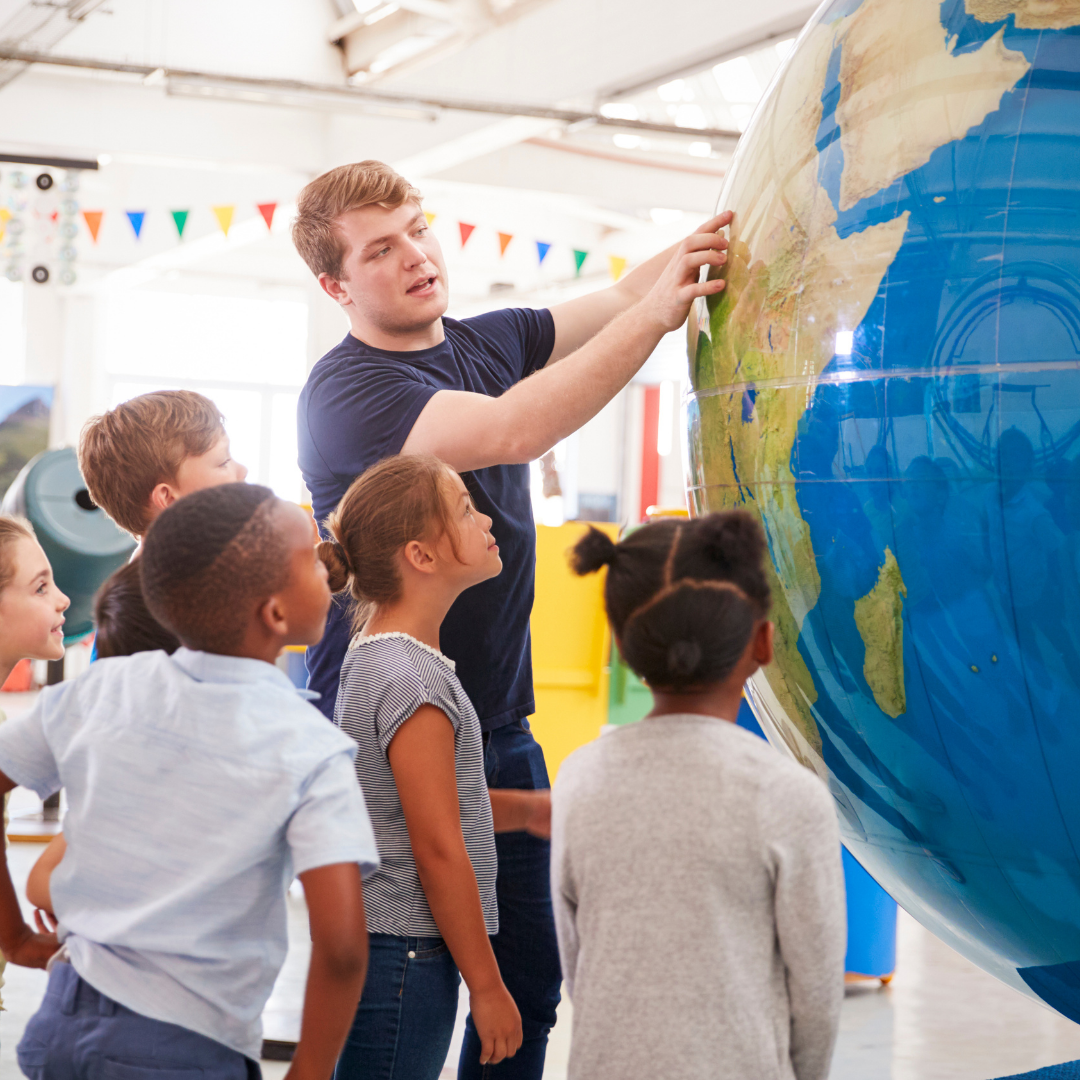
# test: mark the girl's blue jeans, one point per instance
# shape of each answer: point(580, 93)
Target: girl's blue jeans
point(405, 1019)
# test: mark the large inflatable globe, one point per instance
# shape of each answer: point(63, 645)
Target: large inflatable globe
point(891, 383)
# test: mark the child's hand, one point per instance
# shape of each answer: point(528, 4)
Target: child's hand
point(32, 950)
point(498, 1024)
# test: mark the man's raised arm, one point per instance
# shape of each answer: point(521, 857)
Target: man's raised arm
point(473, 431)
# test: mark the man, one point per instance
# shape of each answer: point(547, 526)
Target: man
point(487, 395)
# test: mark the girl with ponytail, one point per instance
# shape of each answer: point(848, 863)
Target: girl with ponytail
point(407, 541)
point(696, 876)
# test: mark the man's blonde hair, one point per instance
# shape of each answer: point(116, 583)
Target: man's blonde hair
point(316, 232)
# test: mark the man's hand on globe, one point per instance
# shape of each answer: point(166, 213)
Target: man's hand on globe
point(669, 300)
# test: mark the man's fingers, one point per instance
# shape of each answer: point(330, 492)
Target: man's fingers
point(704, 242)
point(487, 1048)
point(696, 259)
point(718, 222)
point(690, 293)
point(499, 1052)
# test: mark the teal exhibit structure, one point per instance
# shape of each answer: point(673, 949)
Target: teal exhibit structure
point(891, 383)
point(82, 544)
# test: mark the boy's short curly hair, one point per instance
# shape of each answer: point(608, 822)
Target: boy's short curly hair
point(210, 560)
point(125, 453)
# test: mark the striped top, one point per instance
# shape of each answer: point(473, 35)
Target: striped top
point(384, 680)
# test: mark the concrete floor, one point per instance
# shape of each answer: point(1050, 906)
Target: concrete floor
point(940, 1019)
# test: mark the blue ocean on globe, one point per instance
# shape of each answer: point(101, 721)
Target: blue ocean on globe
point(891, 383)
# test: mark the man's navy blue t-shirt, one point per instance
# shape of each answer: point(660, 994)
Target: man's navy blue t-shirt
point(358, 406)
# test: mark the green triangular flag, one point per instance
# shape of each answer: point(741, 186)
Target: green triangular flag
point(180, 221)
point(579, 258)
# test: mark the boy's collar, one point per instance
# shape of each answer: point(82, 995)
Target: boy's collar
point(215, 668)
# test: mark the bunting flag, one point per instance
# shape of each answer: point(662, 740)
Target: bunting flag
point(466, 231)
point(616, 264)
point(5, 217)
point(430, 217)
point(224, 217)
point(579, 260)
point(180, 221)
point(542, 249)
point(504, 242)
point(136, 217)
point(93, 222)
point(267, 210)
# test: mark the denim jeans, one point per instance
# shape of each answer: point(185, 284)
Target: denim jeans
point(80, 1034)
point(525, 946)
point(405, 1019)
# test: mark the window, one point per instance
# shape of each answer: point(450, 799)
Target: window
point(247, 355)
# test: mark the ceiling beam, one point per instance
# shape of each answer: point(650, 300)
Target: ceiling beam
point(249, 89)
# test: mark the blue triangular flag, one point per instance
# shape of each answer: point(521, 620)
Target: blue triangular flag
point(136, 219)
point(542, 249)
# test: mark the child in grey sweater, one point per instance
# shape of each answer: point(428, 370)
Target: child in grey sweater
point(696, 876)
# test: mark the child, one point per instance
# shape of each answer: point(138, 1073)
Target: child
point(150, 451)
point(31, 608)
point(174, 921)
point(408, 541)
point(124, 626)
point(699, 896)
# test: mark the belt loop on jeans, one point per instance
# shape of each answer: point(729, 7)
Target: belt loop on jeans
point(70, 991)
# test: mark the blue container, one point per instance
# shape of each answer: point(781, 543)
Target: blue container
point(871, 924)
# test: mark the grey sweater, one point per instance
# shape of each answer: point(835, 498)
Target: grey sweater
point(699, 902)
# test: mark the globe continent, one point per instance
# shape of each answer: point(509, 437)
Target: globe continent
point(890, 382)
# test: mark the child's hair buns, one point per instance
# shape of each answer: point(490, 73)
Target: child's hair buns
point(683, 597)
point(336, 560)
point(594, 550)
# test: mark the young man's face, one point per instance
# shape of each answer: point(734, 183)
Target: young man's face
point(394, 273)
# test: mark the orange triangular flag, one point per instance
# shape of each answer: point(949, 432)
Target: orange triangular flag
point(93, 222)
point(224, 217)
point(466, 231)
point(430, 217)
point(504, 241)
point(267, 210)
point(616, 264)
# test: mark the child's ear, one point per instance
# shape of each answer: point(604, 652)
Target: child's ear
point(161, 498)
point(272, 616)
point(763, 644)
point(419, 556)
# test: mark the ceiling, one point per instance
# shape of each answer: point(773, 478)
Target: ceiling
point(241, 101)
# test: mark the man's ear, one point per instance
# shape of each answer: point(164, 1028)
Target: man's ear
point(272, 616)
point(162, 497)
point(333, 288)
point(419, 556)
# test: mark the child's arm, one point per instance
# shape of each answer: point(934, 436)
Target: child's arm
point(810, 918)
point(37, 884)
point(339, 959)
point(20, 945)
point(421, 756)
point(516, 810)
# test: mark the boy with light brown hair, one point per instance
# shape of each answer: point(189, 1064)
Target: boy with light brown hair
point(151, 450)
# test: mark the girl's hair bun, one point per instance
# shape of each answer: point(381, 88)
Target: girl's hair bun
point(333, 555)
point(594, 550)
point(683, 658)
point(731, 538)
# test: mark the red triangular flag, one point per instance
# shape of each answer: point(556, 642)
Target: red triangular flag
point(93, 222)
point(466, 231)
point(504, 241)
point(267, 210)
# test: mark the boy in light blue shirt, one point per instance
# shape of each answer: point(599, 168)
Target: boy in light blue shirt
point(174, 921)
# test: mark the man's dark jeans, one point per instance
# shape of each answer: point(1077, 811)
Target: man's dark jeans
point(525, 946)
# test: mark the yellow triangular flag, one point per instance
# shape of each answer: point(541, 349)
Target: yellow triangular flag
point(224, 217)
point(5, 217)
point(430, 217)
point(616, 264)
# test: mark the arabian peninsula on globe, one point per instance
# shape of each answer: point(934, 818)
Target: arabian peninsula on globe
point(891, 383)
